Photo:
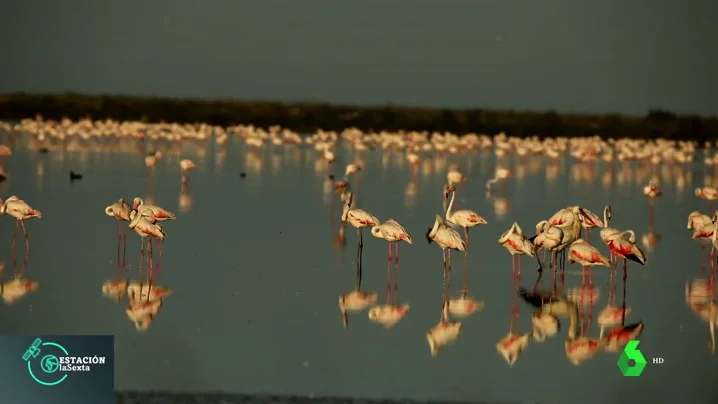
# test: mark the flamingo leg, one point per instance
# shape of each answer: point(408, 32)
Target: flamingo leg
point(119, 241)
point(27, 245)
point(513, 267)
point(12, 249)
point(149, 269)
point(625, 267)
point(358, 259)
point(124, 250)
point(396, 274)
point(139, 266)
point(361, 252)
point(465, 285)
point(388, 273)
point(443, 284)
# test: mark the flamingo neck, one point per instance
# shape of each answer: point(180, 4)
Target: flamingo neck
point(605, 217)
point(451, 205)
point(376, 231)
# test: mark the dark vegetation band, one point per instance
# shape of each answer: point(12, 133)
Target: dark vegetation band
point(307, 117)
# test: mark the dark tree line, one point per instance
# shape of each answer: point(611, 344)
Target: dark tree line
point(307, 117)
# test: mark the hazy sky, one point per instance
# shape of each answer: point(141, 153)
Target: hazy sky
point(581, 55)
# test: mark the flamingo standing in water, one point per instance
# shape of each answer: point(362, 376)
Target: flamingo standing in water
point(448, 239)
point(359, 219)
point(21, 211)
point(548, 237)
point(708, 193)
point(392, 232)
point(607, 232)
point(120, 211)
point(185, 166)
point(146, 227)
point(707, 232)
point(696, 221)
point(623, 245)
point(586, 255)
point(465, 218)
point(157, 213)
point(516, 243)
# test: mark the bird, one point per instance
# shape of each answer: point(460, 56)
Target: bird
point(500, 174)
point(358, 219)
point(708, 193)
point(651, 190)
point(548, 237)
point(607, 231)
point(146, 227)
point(465, 218)
point(152, 158)
point(446, 238)
point(454, 176)
point(75, 176)
point(155, 212)
point(185, 166)
point(696, 220)
point(21, 211)
point(516, 243)
point(120, 211)
point(587, 255)
point(392, 232)
point(623, 245)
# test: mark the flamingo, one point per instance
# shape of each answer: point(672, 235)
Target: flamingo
point(572, 227)
point(464, 218)
point(516, 243)
point(392, 232)
point(185, 166)
point(587, 255)
point(651, 191)
point(624, 245)
point(21, 211)
point(146, 227)
point(707, 232)
point(155, 212)
point(448, 239)
point(607, 231)
point(454, 176)
point(359, 219)
point(500, 174)
point(548, 237)
point(708, 193)
point(120, 211)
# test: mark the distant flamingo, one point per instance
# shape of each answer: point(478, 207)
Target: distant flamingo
point(359, 219)
point(651, 191)
point(448, 239)
point(516, 243)
point(5, 151)
point(697, 221)
point(21, 211)
point(392, 232)
point(708, 193)
point(185, 166)
point(624, 245)
point(465, 218)
point(500, 174)
point(120, 211)
point(586, 255)
point(454, 176)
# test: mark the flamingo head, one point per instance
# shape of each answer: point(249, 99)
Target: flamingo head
point(137, 202)
point(448, 190)
point(428, 237)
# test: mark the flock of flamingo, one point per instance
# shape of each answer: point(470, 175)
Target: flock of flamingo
point(564, 237)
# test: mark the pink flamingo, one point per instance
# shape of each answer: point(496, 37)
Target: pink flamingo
point(586, 255)
point(146, 227)
point(359, 219)
point(517, 244)
point(120, 211)
point(465, 218)
point(21, 211)
point(623, 245)
point(392, 232)
point(185, 166)
point(448, 239)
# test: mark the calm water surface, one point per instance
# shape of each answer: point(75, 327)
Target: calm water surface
point(257, 277)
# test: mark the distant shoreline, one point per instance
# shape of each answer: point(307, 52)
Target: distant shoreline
point(306, 117)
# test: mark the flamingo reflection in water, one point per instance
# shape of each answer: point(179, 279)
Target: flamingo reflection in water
point(355, 301)
point(445, 332)
point(579, 346)
point(514, 342)
point(617, 338)
point(16, 288)
point(612, 315)
point(699, 297)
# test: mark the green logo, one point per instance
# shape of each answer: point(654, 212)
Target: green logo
point(630, 352)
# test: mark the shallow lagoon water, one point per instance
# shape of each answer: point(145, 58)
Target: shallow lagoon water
point(257, 277)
